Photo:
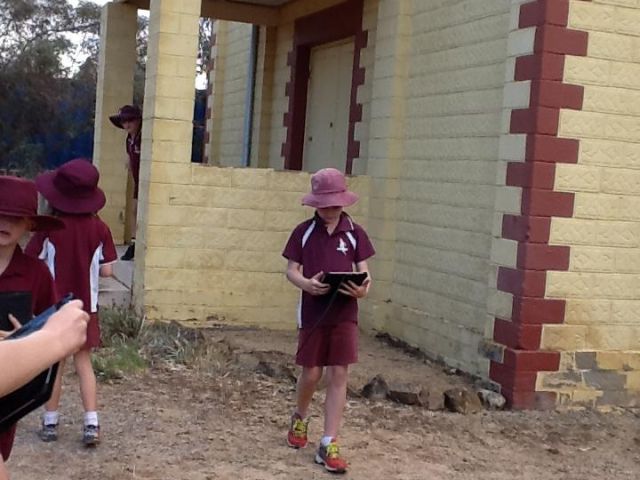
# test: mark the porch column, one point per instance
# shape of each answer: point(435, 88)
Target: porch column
point(116, 67)
point(167, 126)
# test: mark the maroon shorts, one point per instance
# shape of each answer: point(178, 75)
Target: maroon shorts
point(328, 345)
point(93, 332)
point(6, 441)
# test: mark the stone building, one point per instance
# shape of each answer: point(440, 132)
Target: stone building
point(495, 145)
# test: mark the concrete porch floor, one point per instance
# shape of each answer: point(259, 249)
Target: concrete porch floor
point(116, 291)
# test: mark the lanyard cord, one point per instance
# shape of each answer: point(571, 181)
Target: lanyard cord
point(334, 295)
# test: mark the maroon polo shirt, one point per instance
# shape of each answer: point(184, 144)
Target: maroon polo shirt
point(26, 274)
point(74, 256)
point(311, 246)
point(133, 150)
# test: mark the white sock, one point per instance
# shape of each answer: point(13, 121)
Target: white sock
point(326, 440)
point(50, 418)
point(91, 418)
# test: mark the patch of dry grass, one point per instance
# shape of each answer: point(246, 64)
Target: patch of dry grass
point(130, 344)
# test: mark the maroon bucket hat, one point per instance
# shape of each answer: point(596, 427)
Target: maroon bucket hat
point(72, 187)
point(19, 198)
point(127, 112)
point(329, 189)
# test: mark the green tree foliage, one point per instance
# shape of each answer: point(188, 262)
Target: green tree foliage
point(48, 70)
point(38, 86)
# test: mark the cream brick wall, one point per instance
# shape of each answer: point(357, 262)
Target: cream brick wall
point(599, 339)
point(386, 116)
point(280, 102)
point(214, 242)
point(263, 103)
point(447, 183)
point(116, 64)
point(230, 87)
point(431, 138)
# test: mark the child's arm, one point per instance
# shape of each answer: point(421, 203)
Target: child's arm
point(353, 290)
point(62, 335)
point(106, 270)
point(108, 255)
point(4, 475)
point(311, 285)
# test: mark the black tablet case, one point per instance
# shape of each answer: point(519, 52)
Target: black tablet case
point(17, 304)
point(27, 398)
point(336, 278)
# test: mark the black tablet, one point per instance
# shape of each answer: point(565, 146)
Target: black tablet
point(27, 398)
point(17, 304)
point(335, 279)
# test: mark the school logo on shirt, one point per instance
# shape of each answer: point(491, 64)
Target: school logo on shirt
point(342, 247)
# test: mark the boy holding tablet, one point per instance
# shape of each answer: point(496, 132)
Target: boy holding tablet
point(23, 278)
point(327, 318)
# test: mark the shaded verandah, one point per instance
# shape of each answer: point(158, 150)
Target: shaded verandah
point(208, 238)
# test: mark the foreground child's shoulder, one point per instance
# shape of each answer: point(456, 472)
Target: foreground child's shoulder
point(35, 268)
point(359, 228)
point(33, 264)
point(101, 225)
point(304, 226)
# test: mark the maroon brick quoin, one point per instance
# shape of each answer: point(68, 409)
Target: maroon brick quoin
point(545, 148)
point(528, 283)
point(523, 382)
point(547, 66)
point(554, 39)
point(540, 256)
point(531, 361)
point(529, 310)
point(557, 94)
point(521, 334)
point(207, 133)
point(547, 203)
point(541, 120)
point(547, 12)
point(517, 335)
point(531, 174)
point(526, 228)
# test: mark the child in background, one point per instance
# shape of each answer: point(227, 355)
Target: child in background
point(129, 118)
point(328, 324)
point(76, 257)
point(18, 272)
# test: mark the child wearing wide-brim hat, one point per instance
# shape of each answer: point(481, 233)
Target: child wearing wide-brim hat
point(76, 256)
point(129, 118)
point(328, 324)
point(19, 273)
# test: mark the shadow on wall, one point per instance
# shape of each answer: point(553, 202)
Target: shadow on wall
point(199, 126)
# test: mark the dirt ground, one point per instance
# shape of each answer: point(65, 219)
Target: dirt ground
point(229, 422)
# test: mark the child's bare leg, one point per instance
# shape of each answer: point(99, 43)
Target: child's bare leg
point(133, 219)
point(306, 387)
point(336, 399)
point(54, 402)
point(88, 388)
point(4, 474)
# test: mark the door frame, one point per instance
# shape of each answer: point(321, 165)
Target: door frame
point(339, 110)
point(330, 25)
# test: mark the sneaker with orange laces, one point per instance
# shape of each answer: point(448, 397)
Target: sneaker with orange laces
point(329, 456)
point(297, 436)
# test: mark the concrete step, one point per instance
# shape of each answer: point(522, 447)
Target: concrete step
point(116, 290)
